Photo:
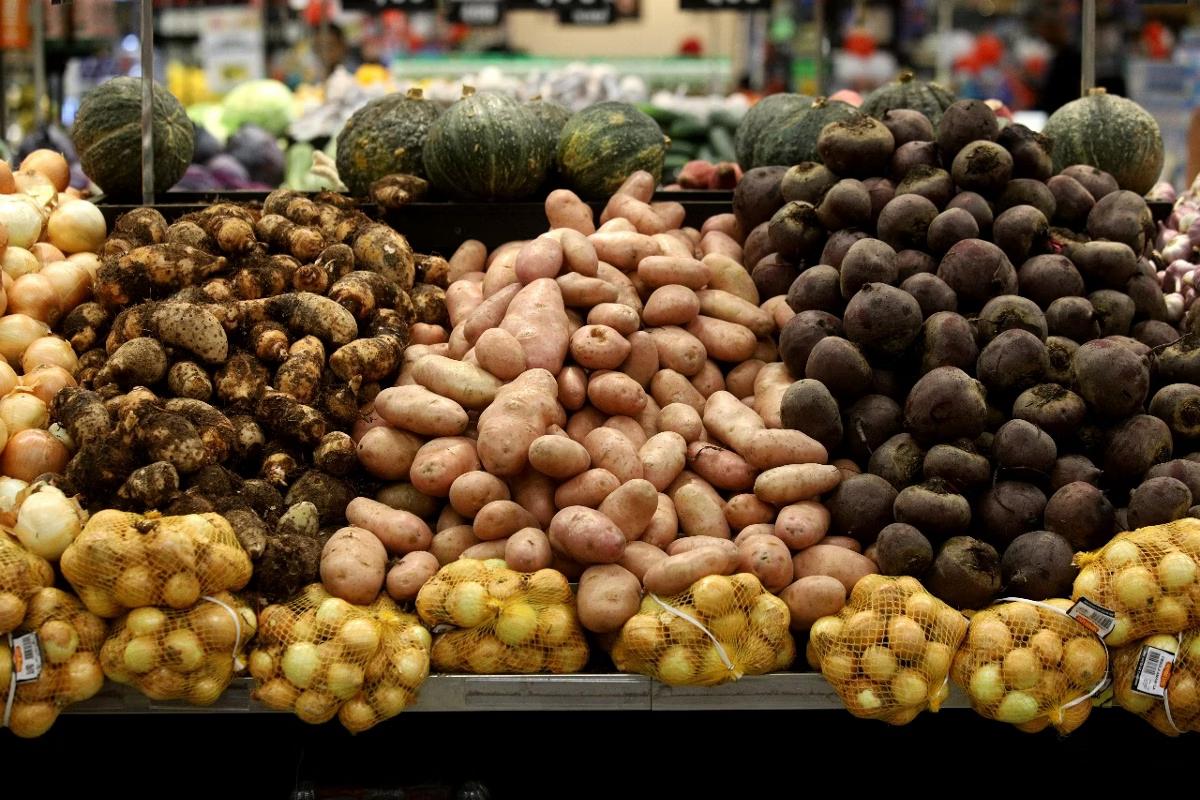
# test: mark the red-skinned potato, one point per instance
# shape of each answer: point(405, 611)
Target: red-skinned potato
point(640, 556)
point(676, 573)
point(586, 536)
point(410, 573)
point(767, 558)
point(528, 550)
point(398, 530)
point(812, 597)
point(353, 564)
point(608, 596)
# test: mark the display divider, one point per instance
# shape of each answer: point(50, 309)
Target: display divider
point(147, 43)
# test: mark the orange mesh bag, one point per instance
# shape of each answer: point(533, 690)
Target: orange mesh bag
point(718, 630)
point(500, 621)
point(888, 652)
point(50, 661)
point(1158, 679)
point(1031, 664)
point(187, 655)
point(1148, 579)
point(319, 656)
point(21, 574)
point(121, 561)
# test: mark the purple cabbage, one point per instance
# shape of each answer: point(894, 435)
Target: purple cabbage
point(259, 153)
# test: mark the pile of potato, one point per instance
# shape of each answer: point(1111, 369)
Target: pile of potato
point(504, 621)
point(123, 561)
point(1149, 578)
point(718, 630)
point(21, 575)
point(69, 637)
point(319, 656)
point(187, 655)
point(888, 652)
point(1177, 709)
point(1030, 664)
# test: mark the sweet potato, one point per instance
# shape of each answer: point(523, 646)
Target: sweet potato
point(586, 536)
point(675, 574)
point(400, 531)
point(522, 412)
point(353, 562)
point(836, 562)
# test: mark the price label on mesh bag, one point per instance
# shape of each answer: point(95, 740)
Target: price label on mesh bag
point(1094, 617)
point(1153, 671)
point(27, 658)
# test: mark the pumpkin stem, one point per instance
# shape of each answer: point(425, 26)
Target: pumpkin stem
point(1095, 90)
point(468, 91)
point(820, 102)
point(415, 93)
point(535, 98)
point(906, 76)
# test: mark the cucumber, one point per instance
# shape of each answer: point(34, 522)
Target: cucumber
point(681, 148)
point(687, 126)
point(706, 153)
point(721, 141)
point(725, 118)
point(663, 116)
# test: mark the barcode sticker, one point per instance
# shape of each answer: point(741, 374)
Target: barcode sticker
point(1153, 671)
point(1094, 617)
point(27, 658)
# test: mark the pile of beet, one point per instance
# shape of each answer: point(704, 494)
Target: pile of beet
point(988, 343)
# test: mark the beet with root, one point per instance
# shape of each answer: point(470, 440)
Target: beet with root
point(1073, 318)
point(841, 366)
point(1038, 565)
point(1179, 362)
point(796, 232)
point(1136, 445)
point(948, 340)
point(1114, 311)
point(809, 407)
point(1009, 509)
point(882, 192)
point(898, 461)
point(1099, 183)
point(932, 183)
point(949, 228)
point(1012, 362)
point(868, 423)
point(1051, 408)
point(861, 506)
point(882, 319)
point(858, 147)
point(934, 508)
point(965, 574)
point(758, 196)
point(904, 221)
point(908, 125)
point(1071, 469)
point(911, 155)
point(1110, 264)
point(1178, 405)
point(901, 549)
point(1113, 381)
point(963, 122)
point(1181, 469)
point(1072, 202)
point(1023, 446)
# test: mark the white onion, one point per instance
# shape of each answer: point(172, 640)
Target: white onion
point(52, 351)
point(10, 497)
point(77, 227)
point(62, 435)
point(22, 410)
point(17, 332)
point(22, 219)
point(18, 261)
point(48, 522)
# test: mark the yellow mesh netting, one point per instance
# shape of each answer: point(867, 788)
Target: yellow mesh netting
point(720, 629)
point(319, 656)
point(121, 561)
point(1178, 709)
point(68, 640)
point(888, 652)
point(21, 574)
point(1148, 577)
point(187, 655)
point(1029, 664)
point(503, 621)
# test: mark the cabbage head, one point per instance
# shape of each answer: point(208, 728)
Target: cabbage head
point(265, 103)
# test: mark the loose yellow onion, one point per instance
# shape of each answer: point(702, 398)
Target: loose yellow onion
point(46, 253)
point(34, 295)
point(72, 282)
point(18, 261)
point(89, 261)
point(31, 453)
point(8, 378)
point(22, 410)
point(76, 227)
point(10, 493)
point(36, 188)
point(7, 184)
point(46, 380)
point(52, 351)
point(22, 218)
point(51, 164)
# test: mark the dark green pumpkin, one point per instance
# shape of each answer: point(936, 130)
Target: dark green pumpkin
point(384, 137)
point(931, 99)
point(486, 147)
point(108, 137)
point(794, 139)
point(553, 118)
point(602, 145)
point(1111, 133)
point(762, 117)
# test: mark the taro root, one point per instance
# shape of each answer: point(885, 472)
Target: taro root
point(1158, 500)
point(983, 167)
point(965, 574)
point(1072, 202)
point(1178, 405)
point(867, 261)
point(964, 122)
point(1098, 183)
point(1030, 152)
point(1009, 509)
point(949, 228)
point(1081, 514)
point(796, 232)
point(948, 340)
point(1072, 468)
point(1122, 216)
point(912, 262)
point(1038, 565)
point(773, 275)
point(904, 221)
point(1022, 446)
point(946, 403)
point(911, 155)
point(807, 181)
point(800, 335)
point(882, 319)
point(1010, 312)
point(1136, 445)
point(902, 550)
point(860, 507)
point(1012, 362)
point(932, 183)
point(757, 196)
point(931, 293)
point(808, 406)
point(1025, 192)
point(1054, 409)
point(1046, 278)
point(1073, 318)
point(839, 365)
point(897, 461)
point(1112, 380)
point(1021, 232)
point(975, 205)
point(1111, 264)
point(859, 147)
point(869, 422)
point(977, 271)
point(882, 191)
point(933, 507)
point(817, 289)
point(908, 125)
point(959, 467)
point(846, 205)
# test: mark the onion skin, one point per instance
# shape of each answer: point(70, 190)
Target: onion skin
point(31, 453)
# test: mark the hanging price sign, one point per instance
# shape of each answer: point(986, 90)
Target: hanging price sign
point(587, 12)
point(479, 13)
point(724, 5)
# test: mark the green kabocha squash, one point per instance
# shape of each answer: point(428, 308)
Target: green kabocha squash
point(108, 137)
point(794, 138)
point(486, 147)
point(384, 137)
point(600, 146)
point(931, 99)
point(1111, 133)
point(762, 118)
point(553, 118)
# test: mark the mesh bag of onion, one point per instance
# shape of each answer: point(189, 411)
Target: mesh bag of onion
point(21, 574)
point(121, 561)
point(489, 619)
point(187, 655)
point(718, 630)
point(1158, 679)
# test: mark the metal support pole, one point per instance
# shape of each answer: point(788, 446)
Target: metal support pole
point(945, 27)
point(147, 102)
point(819, 56)
point(41, 99)
point(1087, 47)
